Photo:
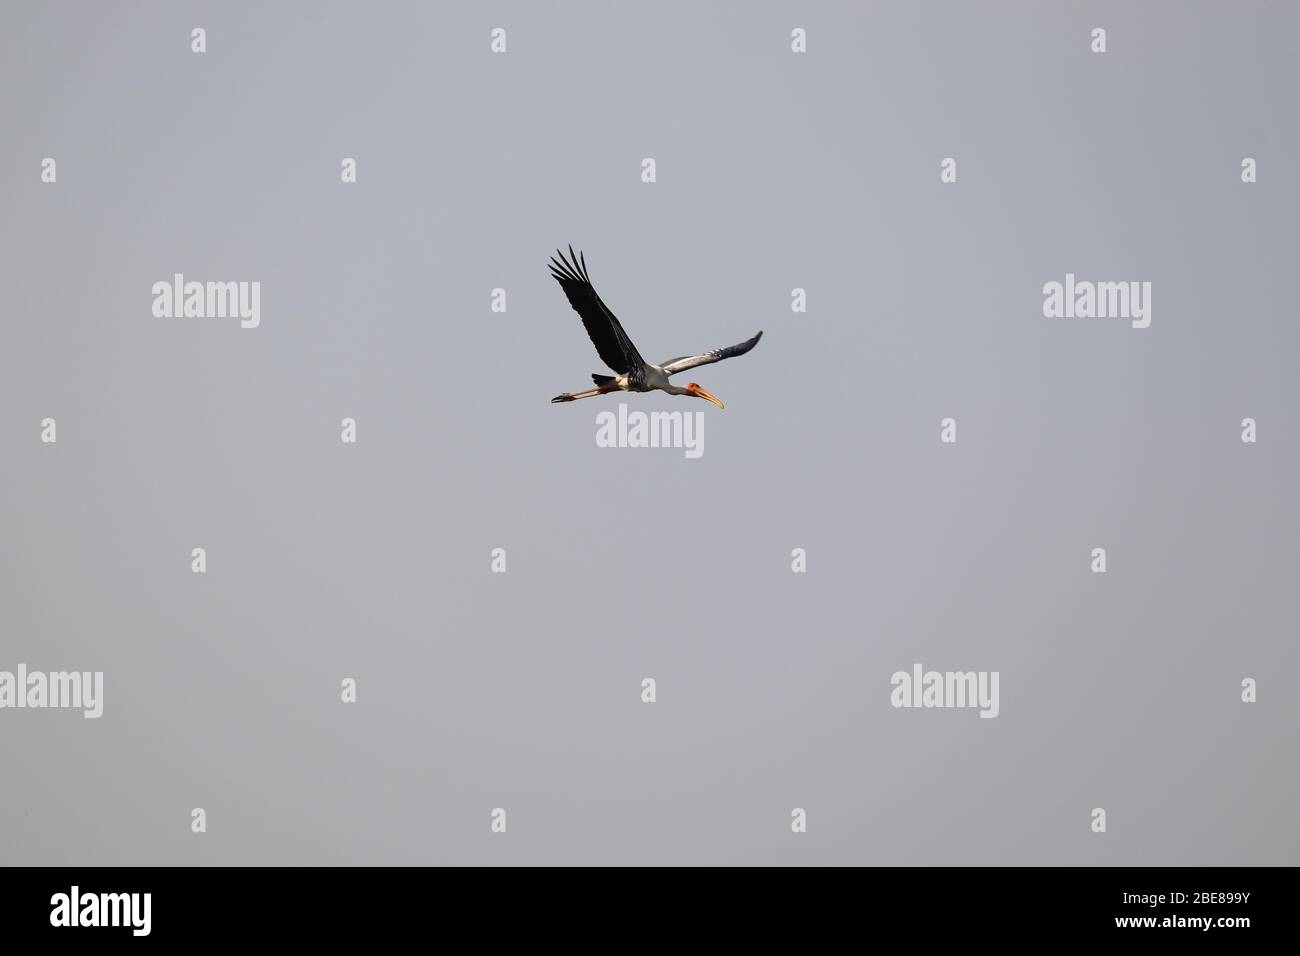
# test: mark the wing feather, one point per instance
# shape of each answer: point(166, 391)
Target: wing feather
point(606, 333)
point(682, 363)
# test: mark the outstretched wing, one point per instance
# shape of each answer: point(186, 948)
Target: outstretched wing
point(614, 347)
point(673, 366)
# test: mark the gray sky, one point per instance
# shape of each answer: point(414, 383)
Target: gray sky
point(522, 690)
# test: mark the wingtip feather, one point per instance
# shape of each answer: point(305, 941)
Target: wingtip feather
point(570, 268)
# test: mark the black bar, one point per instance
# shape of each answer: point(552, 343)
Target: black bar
point(230, 904)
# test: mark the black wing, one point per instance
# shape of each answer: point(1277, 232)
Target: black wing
point(615, 348)
point(673, 366)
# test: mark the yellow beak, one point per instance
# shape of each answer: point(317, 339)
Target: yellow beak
point(708, 396)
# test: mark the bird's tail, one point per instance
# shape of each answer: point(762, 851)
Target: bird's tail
point(601, 379)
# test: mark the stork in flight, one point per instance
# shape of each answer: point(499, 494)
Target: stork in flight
point(634, 374)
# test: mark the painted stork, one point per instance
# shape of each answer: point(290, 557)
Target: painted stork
point(634, 374)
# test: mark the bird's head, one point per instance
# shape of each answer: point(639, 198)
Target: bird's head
point(693, 389)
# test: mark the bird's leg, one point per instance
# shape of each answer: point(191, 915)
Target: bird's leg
point(574, 396)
